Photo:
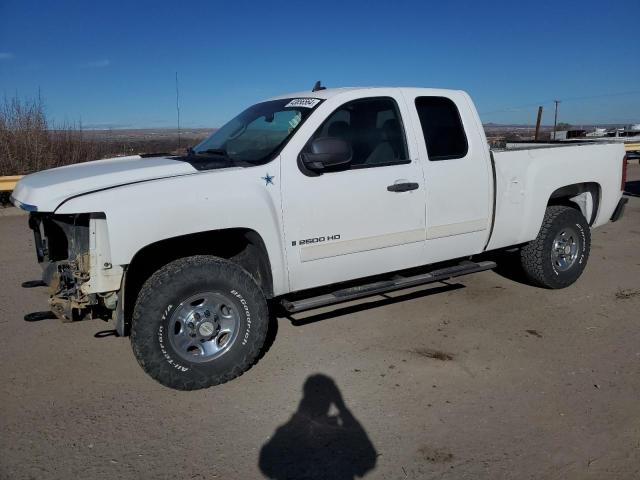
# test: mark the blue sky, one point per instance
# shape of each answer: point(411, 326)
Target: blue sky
point(113, 63)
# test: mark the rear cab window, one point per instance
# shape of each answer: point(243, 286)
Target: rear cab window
point(442, 128)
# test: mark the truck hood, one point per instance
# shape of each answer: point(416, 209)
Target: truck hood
point(45, 191)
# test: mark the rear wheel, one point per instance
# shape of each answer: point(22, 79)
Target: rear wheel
point(559, 254)
point(198, 321)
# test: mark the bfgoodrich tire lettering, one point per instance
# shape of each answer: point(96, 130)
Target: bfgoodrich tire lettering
point(558, 255)
point(163, 323)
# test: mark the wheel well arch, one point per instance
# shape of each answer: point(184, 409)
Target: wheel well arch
point(584, 197)
point(241, 245)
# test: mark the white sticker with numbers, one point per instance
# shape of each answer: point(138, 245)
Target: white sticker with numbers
point(303, 102)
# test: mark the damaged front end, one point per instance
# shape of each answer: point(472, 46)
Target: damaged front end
point(73, 251)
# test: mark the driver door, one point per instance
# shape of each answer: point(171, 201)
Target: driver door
point(362, 219)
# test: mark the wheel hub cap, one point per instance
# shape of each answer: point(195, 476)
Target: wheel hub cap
point(565, 250)
point(206, 329)
point(204, 326)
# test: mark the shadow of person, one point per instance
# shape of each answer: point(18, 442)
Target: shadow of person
point(322, 440)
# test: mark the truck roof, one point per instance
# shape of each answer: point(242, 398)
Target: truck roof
point(331, 92)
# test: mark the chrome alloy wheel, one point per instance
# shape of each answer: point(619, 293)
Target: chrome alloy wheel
point(565, 249)
point(204, 326)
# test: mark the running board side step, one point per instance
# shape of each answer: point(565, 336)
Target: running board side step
point(398, 282)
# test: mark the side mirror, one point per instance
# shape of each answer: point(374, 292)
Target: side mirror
point(327, 153)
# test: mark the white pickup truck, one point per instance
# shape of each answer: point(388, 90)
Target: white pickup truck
point(302, 201)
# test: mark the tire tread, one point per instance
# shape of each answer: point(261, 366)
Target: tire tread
point(533, 255)
point(142, 335)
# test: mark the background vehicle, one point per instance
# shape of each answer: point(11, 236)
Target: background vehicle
point(302, 201)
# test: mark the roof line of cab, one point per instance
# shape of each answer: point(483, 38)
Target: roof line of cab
point(331, 92)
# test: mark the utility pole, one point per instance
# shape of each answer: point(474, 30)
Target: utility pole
point(535, 138)
point(555, 120)
point(178, 108)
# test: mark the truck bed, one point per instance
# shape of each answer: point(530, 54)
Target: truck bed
point(525, 176)
point(516, 146)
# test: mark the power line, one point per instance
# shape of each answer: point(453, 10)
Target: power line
point(568, 99)
point(605, 95)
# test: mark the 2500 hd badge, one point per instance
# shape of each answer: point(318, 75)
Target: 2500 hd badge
point(309, 241)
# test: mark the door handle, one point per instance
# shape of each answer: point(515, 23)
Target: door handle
point(403, 187)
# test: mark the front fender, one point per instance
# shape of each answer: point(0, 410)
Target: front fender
point(145, 213)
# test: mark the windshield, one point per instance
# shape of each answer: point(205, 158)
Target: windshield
point(260, 131)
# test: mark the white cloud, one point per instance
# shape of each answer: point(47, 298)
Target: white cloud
point(98, 64)
point(6, 55)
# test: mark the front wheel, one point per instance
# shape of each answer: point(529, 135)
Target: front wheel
point(559, 254)
point(198, 321)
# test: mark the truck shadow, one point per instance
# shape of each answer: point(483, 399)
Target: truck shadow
point(321, 440)
point(39, 316)
point(632, 188)
point(106, 333)
point(33, 284)
point(386, 300)
point(508, 265)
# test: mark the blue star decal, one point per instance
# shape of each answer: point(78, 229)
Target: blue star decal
point(268, 179)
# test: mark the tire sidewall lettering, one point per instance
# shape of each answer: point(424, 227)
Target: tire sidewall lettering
point(583, 242)
point(247, 311)
point(162, 341)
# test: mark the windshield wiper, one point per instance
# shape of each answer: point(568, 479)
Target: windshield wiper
point(219, 152)
point(214, 151)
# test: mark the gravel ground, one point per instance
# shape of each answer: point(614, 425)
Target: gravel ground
point(484, 378)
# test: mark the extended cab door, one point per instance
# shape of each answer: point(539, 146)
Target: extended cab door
point(363, 219)
point(458, 180)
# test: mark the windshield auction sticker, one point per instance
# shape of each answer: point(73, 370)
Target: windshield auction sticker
point(293, 123)
point(303, 102)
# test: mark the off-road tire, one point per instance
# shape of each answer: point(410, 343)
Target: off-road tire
point(536, 256)
point(165, 290)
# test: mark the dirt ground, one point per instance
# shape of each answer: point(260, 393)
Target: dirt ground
point(484, 378)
